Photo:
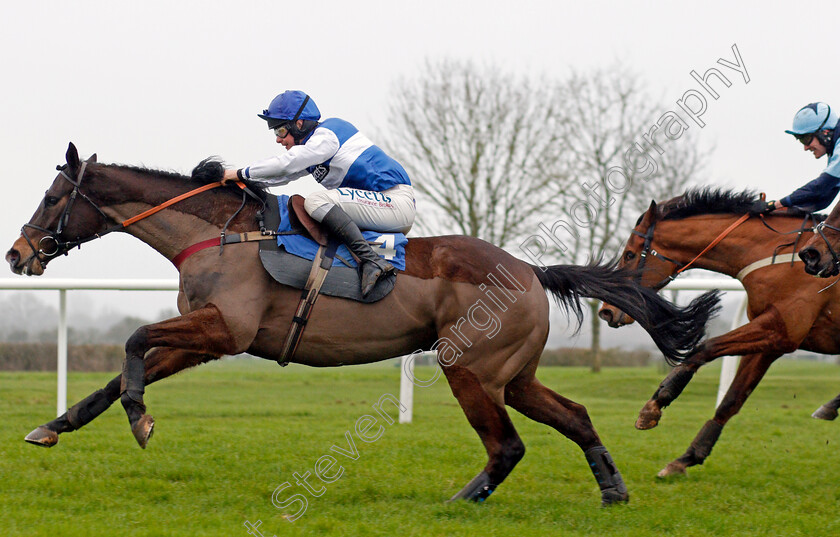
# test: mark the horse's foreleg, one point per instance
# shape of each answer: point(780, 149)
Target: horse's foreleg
point(528, 396)
point(750, 372)
point(493, 425)
point(160, 363)
point(764, 334)
point(827, 411)
point(202, 331)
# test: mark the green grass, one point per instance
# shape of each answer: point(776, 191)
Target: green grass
point(228, 434)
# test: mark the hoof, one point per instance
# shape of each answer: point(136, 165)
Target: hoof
point(42, 437)
point(649, 416)
point(674, 468)
point(613, 497)
point(825, 413)
point(143, 429)
point(476, 490)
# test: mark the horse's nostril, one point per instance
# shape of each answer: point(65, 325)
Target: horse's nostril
point(13, 256)
point(809, 255)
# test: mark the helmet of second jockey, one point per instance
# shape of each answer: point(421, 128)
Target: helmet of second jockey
point(813, 119)
point(287, 108)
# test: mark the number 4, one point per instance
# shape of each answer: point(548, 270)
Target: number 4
point(387, 246)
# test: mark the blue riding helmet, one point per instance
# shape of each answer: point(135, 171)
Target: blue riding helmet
point(812, 118)
point(290, 105)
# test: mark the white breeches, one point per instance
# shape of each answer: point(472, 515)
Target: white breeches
point(388, 211)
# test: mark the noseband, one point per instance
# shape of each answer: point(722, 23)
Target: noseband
point(647, 250)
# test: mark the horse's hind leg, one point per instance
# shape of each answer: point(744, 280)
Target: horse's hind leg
point(528, 396)
point(827, 411)
point(160, 363)
point(750, 372)
point(493, 425)
point(202, 331)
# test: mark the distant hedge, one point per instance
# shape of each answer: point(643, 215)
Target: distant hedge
point(43, 357)
point(583, 357)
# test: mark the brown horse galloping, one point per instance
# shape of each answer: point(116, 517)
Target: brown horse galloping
point(481, 307)
point(786, 309)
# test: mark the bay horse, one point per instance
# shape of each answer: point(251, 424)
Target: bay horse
point(786, 309)
point(482, 307)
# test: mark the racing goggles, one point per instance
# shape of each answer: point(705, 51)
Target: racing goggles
point(804, 138)
point(282, 131)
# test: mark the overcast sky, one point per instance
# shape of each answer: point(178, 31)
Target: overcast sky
point(164, 84)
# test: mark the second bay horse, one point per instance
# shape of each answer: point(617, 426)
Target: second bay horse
point(786, 309)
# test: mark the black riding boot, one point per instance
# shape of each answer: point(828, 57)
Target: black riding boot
point(372, 267)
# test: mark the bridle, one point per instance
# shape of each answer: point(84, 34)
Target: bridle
point(647, 250)
point(51, 245)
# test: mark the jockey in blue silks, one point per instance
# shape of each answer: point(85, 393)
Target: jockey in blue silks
point(365, 187)
point(818, 128)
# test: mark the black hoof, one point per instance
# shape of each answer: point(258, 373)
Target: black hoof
point(476, 490)
point(614, 496)
point(825, 413)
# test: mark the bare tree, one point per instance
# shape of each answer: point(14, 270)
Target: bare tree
point(624, 149)
point(498, 156)
point(481, 147)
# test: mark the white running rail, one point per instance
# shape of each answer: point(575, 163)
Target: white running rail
point(62, 285)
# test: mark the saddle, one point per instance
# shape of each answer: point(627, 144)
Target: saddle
point(314, 275)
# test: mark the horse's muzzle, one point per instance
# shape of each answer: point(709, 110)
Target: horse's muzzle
point(816, 265)
point(614, 316)
point(22, 260)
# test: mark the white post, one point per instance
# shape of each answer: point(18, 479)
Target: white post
point(406, 387)
point(62, 352)
point(730, 363)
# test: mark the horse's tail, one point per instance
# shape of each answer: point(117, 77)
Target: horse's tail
point(676, 331)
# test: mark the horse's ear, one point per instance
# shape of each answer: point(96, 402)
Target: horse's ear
point(92, 158)
point(652, 207)
point(72, 157)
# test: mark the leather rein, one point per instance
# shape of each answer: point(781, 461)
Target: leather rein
point(58, 246)
point(647, 250)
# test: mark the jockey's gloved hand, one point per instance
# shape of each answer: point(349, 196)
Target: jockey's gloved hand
point(762, 207)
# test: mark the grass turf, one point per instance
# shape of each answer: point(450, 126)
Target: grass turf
point(229, 434)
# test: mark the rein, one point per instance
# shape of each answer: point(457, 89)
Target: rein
point(647, 250)
point(59, 245)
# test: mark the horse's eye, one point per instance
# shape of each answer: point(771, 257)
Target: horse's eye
point(629, 256)
point(49, 201)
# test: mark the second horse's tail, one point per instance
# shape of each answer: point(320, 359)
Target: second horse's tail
point(676, 331)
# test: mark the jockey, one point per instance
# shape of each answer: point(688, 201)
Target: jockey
point(365, 187)
point(818, 128)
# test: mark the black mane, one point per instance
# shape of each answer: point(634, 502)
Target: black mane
point(708, 200)
point(175, 176)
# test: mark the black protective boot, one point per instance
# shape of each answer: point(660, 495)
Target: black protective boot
point(371, 267)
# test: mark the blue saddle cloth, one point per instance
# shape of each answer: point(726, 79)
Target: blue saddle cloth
point(391, 246)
